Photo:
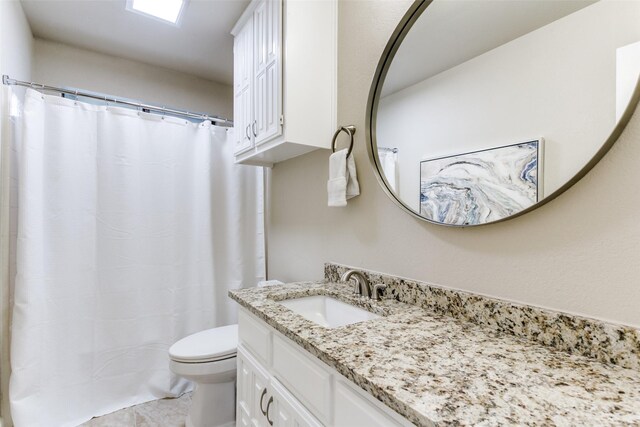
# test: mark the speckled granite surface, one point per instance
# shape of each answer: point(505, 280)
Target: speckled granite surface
point(437, 369)
point(578, 335)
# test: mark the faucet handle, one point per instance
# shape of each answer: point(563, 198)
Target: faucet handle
point(376, 290)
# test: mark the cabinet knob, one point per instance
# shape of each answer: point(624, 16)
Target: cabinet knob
point(253, 128)
point(246, 132)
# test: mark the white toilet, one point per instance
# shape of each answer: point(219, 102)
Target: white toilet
point(208, 358)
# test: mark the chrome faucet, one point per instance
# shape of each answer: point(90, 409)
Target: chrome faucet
point(362, 286)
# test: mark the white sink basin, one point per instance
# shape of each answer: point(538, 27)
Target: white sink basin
point(328, 312)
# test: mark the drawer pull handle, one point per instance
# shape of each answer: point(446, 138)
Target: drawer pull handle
point(267, 414)
point(261, 398)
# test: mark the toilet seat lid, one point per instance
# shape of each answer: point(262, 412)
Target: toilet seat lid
point(206, 346)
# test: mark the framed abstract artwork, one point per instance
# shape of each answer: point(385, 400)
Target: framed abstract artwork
point(482, 186)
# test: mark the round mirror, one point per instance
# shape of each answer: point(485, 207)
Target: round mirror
point(483, 110)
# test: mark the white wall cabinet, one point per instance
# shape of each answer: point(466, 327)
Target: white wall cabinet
point(285, 79)
point(281, 385)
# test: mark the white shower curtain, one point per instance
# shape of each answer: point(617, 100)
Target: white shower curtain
point(131, 229)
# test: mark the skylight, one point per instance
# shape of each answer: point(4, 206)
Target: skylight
point(169, 11)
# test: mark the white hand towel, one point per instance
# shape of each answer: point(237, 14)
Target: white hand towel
point(353, 188)
point(343, 180)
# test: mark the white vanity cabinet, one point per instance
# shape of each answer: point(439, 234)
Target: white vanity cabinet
point(285, 79)
point(263, 401)
point(281, 385)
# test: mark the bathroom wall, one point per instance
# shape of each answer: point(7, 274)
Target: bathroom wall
point(62, 65)
point(579, 253)
point(530, 86)
point(16, 42)
point(16, 49)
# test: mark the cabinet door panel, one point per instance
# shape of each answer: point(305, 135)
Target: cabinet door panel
point(242, 83)
point(260, 107)
point(248, 117)
point(303, 376)
point(272, 116)
point(267, 70)
point(352, 409)
point(287, 411)
point(238, 56)
point(243, 392)
point(259, 30)
point(272, 30)
point(255, 336)
point(260, 398)
point(242, 122)
point(239, 144)
point(238, 64)
point(252, 387)
point(242, 419)
point(243, 58)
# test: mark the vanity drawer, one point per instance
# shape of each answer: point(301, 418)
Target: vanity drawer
point(305, 378)
point(255, 335)
point(353, 407)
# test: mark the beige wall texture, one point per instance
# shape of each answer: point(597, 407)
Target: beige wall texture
point(62, 65)
point(580, 253)
point(16, 42)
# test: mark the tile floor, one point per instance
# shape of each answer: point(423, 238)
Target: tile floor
point(158, 413)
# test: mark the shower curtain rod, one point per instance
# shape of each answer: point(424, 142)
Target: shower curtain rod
point(107, 98)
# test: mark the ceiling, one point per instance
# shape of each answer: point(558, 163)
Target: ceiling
point(201, 45)
point(449, 33)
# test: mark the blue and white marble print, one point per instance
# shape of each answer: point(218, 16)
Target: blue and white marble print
point(480, 187)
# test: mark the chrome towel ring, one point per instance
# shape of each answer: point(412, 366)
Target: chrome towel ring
point(349, 130)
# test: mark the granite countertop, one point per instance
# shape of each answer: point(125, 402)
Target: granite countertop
point(436, 369)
